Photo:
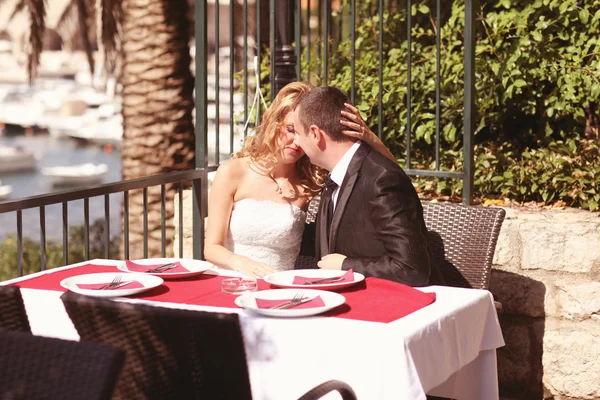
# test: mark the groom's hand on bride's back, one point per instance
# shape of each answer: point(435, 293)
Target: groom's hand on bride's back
point(332, 261)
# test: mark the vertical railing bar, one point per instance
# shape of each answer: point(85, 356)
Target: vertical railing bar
point(245, 60)
point(20, 242)
point(380, 72)
point(231, 68)
point(326, 32)
point(408, 81)
point(437, 85)
point(340, 24)
point(107, 226)
point(198, 213)
point(180, 190)
point(163, 234)
point(217, 86)
point(43, 238)
point(86, 227)
point(297, 38)
point(353, 51)
point(469, 68)
point(65, 222)
point(320, 41)
point(126, 223)
point(258, 59)
point(307, 41)
point(272, 46)
point(201, 161)
point(145, 194)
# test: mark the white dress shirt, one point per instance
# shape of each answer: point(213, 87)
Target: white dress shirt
point(339, 171)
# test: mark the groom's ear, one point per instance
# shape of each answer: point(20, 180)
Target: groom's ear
point(315, 133)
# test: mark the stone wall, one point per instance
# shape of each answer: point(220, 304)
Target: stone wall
point(547, 277)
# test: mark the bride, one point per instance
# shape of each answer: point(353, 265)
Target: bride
point(258, 200)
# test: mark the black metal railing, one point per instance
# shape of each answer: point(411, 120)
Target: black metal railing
point(291, 37)
point(285, 28)
point(196, 177)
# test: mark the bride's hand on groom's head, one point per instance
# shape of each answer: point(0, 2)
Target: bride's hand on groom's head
point(332, 261)
point(250, 268)
point(355, 126)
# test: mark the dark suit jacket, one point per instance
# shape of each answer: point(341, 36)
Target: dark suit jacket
point(378, 222)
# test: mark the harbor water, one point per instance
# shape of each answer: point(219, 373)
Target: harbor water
point(56, 152)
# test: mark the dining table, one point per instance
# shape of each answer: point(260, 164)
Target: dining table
point(388, 341)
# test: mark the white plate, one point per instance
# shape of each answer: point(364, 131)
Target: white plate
point(248, 302)
point(148, 281)
point(285, 278)
point(195, 267)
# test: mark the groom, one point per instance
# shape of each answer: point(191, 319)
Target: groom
point(370, 218)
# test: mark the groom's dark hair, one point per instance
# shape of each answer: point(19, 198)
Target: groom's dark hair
point(321, 107)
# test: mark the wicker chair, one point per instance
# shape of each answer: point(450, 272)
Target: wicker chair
point(171, 354)
point(463, 240)
point(12, 311)
point(35, 367)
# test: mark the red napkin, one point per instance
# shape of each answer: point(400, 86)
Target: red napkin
point(301, 280)
point(144, 268)
point(97, 286)
point(314, 303)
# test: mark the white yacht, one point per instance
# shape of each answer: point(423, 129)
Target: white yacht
point(16, 159)
point(73, 175)
point(5, 191)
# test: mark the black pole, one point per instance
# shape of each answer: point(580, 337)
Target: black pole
point(469, 127)
point(285, 57)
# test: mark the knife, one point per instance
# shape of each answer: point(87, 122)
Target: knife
point(324, 280)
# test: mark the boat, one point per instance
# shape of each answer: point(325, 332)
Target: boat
point(5, 191)
point(74, 175)
point(106, 130)
point(16, 159)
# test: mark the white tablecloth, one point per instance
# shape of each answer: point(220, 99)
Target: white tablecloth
point(447, 348)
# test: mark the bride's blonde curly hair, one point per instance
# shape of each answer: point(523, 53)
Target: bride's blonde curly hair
point(263, 147)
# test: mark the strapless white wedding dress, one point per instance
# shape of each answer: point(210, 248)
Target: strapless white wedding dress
point(266, 231)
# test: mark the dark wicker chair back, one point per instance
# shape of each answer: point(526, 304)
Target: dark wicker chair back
point(12, 311)
point(170, 353)
point(313, 209)
point(344, 390)
point(35, 367)
point(463, 241)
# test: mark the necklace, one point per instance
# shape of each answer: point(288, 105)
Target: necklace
point(279, 188)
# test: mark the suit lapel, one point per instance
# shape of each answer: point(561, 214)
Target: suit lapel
point(346, 189)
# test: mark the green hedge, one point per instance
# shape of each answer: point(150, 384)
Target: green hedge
point(537, 71)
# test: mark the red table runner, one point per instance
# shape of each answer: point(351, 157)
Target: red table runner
point(374, 299)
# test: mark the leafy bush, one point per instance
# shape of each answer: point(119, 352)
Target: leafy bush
point(537, 85)
point(54, 251)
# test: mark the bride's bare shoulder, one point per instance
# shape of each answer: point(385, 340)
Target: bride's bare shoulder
point(234, 168)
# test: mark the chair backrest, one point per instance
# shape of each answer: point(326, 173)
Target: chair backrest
point(12, 311)
point(35, 367)
point(463, 241)
point(170, 353)
point(313, 209)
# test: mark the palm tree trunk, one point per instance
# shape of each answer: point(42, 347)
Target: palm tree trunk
point(158, 131)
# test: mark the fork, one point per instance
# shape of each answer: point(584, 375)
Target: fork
point(113, 284)
point(162, 268)
point(296, 300)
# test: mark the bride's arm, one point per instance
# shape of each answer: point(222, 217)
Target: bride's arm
point(357, 128)
point(220, 205)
